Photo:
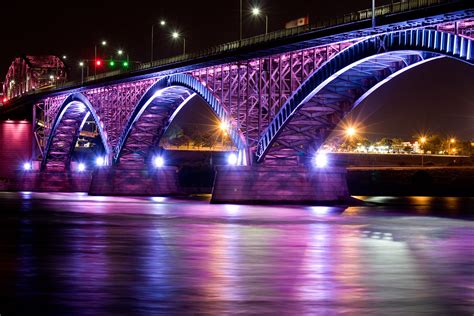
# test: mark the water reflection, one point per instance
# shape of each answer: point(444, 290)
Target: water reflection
point(79, 255)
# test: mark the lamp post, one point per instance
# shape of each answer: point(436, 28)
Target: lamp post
point(422, 141)
point(373, 13)
point(103, 43)
point(350, 133)
point(451, 142)
point(162, 24)
point(120, 53)
point(81, 64)
point(175, 35)
point(257, 12)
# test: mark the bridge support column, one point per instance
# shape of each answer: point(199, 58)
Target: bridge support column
point(279, 184)
point(125, 181)
point(53, 181)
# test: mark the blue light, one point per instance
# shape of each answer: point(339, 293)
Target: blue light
point(232, 159)
point(81, 167)
point(27, 166)
point(158, 162)
point(100, 161)
point(321, 160)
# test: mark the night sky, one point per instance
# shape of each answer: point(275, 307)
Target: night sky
point(437, 97)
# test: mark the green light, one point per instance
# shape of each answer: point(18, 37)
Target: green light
point(112, 63)
point(125, 63)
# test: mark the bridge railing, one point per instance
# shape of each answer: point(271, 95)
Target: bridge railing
point(397, 7)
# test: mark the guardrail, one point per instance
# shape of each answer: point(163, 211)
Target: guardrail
point(358, 16)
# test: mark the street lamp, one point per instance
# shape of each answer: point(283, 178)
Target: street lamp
point(373, 13)
point(120, 53)
point(81, 64)
point(240, 20)
point(162, 24)
point(175, 35)
point(103, 43)
point(257, 12)
point(422, 141)
point(64, 57)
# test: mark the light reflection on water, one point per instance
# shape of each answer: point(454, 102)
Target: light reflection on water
point(74, 254)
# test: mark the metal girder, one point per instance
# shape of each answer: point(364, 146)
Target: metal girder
point(379, 58)
point(263, 98)
point(155, 112)
point(62, 137)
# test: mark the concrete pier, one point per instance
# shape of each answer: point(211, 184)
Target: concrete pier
point(117, 181)
point(52, 181)
point(277, 185)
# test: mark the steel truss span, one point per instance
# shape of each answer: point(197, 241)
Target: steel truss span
point(322, 101)
point(155, 112)
point(73, 114)
point(278, 107)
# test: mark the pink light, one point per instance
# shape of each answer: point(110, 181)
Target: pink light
point(5, 100)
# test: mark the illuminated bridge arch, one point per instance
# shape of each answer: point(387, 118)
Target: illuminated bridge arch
point(155, 112)
point(321, 102)
point(71, 117)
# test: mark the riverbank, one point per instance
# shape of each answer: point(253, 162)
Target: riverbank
point(401, 181)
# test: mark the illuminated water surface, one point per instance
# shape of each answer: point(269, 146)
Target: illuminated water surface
point(73, 254)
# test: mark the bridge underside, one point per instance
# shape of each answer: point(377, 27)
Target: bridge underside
point(328, 104)
point(65, 136)
point(151, 124)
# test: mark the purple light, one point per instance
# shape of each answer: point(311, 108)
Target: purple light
point(27, 166)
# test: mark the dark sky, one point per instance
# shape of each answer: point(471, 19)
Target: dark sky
point(441, 94)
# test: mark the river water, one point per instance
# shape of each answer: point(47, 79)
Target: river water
point(71, 254)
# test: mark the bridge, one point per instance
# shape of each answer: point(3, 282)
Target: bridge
point(279, 96)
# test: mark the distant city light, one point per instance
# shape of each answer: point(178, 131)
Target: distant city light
point(423, 140)
point(125, 63)
point(162, 22)
point(98, 62)
point(27, 166)
point(112, 63)
point(158, 162)
point(81, 64)
point(64, 57)
point(321, 160)
point(51, 77)
point(351, 131)
point(100, 161)
point(104, 43)
point(224, 126)
point(81, 167)
point(232, 159)
point(175, 35)
point(5, 100)
point(120, 52)
point(452, 140)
